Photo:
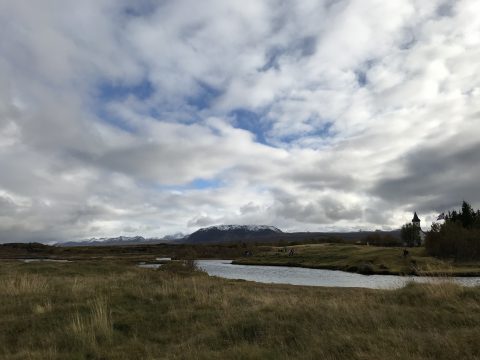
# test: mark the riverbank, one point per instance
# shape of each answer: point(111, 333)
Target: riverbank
point(112, 310)
point(361, 259)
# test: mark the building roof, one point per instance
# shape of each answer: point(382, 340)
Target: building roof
point(415, 218)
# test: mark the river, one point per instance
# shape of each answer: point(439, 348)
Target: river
point(316, 277)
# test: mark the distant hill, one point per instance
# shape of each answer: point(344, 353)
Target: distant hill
point(244, 233)
point(122, 240)
point(228, 233)
point(270, 234)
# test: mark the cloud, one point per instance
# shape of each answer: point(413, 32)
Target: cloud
point(164, 116)
point(435, 167)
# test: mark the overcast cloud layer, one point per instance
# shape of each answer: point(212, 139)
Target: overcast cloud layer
point(127, 117)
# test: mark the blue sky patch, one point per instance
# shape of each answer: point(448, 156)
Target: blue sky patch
point(302, 47)
point(204, 97)
point(109, 91)
point(251, 121)
point(272, 56)
point(140, 8)
point(323, 132)
point(204, 183)
point(361, 78)
point(361, 73)
point(197, 184)
point(114, 120)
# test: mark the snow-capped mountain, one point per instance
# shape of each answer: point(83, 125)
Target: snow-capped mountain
point(122, 240)
point(217, 234)
point(241, 227)
point(225, 233)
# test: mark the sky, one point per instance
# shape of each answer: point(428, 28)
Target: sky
point(144, 117)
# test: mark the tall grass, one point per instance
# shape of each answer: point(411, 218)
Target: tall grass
point(23, 284)
point(95, 327)
point(113, 311)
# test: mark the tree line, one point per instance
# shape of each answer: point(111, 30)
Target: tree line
point(458, 237)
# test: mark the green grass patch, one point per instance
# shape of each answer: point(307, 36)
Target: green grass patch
point(362, 259)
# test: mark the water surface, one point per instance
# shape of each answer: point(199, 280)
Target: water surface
point(43, 259)
point(316, 277)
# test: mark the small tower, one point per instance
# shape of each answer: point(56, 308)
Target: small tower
point(418, 234)
point(416, 220)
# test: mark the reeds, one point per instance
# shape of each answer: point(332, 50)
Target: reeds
point(95, 326)
point(23, 284)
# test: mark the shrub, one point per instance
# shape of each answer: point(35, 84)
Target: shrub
point(377, 239)
point(453, 240)
point(181, 267)
point(458, 237)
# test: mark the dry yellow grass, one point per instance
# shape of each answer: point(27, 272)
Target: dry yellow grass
point(23, 284)
point(108, 310)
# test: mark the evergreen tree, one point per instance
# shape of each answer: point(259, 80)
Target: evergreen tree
point(410, 234)
point(458, 236)
point(467, 216)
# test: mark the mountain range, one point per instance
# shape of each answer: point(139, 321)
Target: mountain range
point(123, 240)
point(231, 233)
point(227, 233)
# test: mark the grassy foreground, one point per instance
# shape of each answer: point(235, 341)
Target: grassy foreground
point(362, 259)
point(112, 310)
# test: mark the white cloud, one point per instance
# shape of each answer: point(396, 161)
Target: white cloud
point(368, 110)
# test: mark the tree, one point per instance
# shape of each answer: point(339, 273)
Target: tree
point(410, 234)
point(467, 215)
point(458, 237)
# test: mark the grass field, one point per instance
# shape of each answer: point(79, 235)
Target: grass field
point(361, 258)
point(114, 310)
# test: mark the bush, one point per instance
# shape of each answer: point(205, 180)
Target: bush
point(458, 237)
point(453, 240)
point(381, 240)
point(191, 265)
point(181, 267)
point(366, 269)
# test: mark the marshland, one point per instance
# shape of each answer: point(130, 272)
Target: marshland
point(109, 308)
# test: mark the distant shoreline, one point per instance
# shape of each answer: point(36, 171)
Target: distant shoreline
point(382, 272)
point(366, 260)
